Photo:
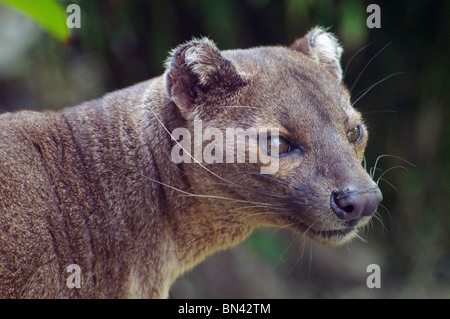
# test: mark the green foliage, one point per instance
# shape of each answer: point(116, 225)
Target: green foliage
point(266, 244)
point(49, 14)
point(353, 23)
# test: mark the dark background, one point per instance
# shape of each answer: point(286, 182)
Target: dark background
point(121, 43)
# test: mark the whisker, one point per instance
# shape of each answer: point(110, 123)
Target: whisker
point(310, 261)
point(394, 156)
point(207, 196)
point(354, 55)
point(387, 210)
point(291, 242)
point(370, 228)
point(295, 237)
point(230, 183)
point(303, 234)
point(299, 260)
point(239, 106)
point(257, 206)
point(367, 90)
point(274, 193)
point(365, 230)
point(184, 150)
point(296, 187)
point(267, 192)
point(233, 200)
point(260, 214)
point(277, 180)
point(389, 183)
point(377, 216)
point(362, 239)
point(359, 75)
point(300, 202)
point(372, 172)
point(390, 169)
point(379, 111)
point(284, 226)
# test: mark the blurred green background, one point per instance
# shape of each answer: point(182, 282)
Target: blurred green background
point(121, 43)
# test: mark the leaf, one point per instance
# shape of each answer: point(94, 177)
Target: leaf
point(49, 14)
point(353, 24)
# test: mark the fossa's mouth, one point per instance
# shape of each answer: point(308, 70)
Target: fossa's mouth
point(335, 236)
point(341, 232)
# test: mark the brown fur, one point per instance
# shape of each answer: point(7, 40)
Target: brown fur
point(94, 185)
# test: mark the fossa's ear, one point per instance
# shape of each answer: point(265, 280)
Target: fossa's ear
point(323, 47)
point(194, 69)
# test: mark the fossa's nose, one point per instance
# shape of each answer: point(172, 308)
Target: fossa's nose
point(351, 205)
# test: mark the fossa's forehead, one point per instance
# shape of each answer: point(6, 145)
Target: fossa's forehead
point(283, 67)
point(289, 83)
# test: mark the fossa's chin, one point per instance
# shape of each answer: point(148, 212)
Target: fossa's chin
point(332, 236)
point(335, 237)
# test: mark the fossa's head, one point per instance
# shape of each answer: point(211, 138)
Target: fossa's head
point(303, 120)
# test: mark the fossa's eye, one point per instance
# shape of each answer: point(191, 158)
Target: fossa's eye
point(355, 134)
point(278, 145)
